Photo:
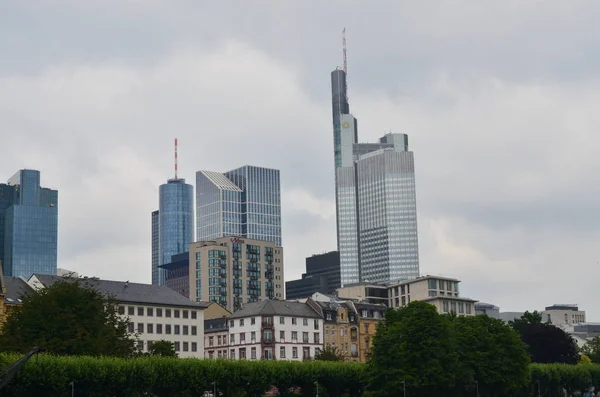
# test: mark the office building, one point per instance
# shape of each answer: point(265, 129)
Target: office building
point(177, 273)
point(488, 309)
point(375, 199)
point(322, 275)
point(155, 313)
point(244, 202)
point(28, 226)
point(234, 271)
point(155, 249)
point(563, 314)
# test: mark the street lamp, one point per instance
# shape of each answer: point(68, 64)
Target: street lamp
point(477, 387)
point(214, 389)
point(403, 388)
point(539, 388)
point(317, 384)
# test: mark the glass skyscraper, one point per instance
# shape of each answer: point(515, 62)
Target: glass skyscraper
point(28, 226)
point(175, 226)
point(244, 202)
point(375, 199)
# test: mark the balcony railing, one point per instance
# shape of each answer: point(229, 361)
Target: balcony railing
point(268, 340)
point(268, 324)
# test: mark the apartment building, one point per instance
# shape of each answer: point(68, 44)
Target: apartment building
point(235, 271)
point(155, 312)
point(341, 328)
point(273, 329)
point(369, 316)
point(216, 338)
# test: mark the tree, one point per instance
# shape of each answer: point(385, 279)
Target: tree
point(546, 343)
point(329, 353)
point(68, 318)
point(592, 350)
point(163, 348)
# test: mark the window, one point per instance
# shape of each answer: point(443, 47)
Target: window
point(121, 309)
point(177, 346)
point(252, 321)
point(140, 311)
point(306, 353)
point(281, 320)
point(316, 325)
point(329, 316)
point(168, 313)
point(364, 313)
point(243, 353)
point(185, 330)
point(130, 328)
point(461, 307)
point(194, 347)
point(210, 355)
point(294, 352)
point(150, 328)
point(194, 330)
point(304, 321)
point(194, 314)
point(176, 313)
point(282, 352)
point(168, 329)
point(177, 330)
point(446, 307)
point(432, 283)
point(211, 340)
point(305, 337)
point(367, 328)
point(231, 353)
point(253, 353)
point(468, 308)
point(352, 317)
point(294, 336)
point(231, 323)
point(130, 310)
point(140, 327)
point(241, 322)
point(281, 335)
point(159, 328)
point(316, 338)
point(253, 336)
point(150, 311)
point(294, 322)
point(232, 339)
point(242, 337)
point(185, 315)
point(453, 306)
point(140, 345)
point(185, 346)
point(158, 312)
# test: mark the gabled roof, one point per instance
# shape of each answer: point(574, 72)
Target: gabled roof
point(215, 325)
point(276, 308)
point(16, 289)
point(128, 292)
point(220, 180)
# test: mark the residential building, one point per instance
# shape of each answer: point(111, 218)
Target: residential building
point(216, 338)
point(273, 329)
point(487, 309)
point(28, 226)
point(233, 271)
point(375, 199)
point(244, 202)
point(341, 328)
point(322, 275)
point(369, 315)
point(365, 292)
point(563, 314)
point(156, 312)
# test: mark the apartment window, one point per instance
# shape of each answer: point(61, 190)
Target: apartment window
point(186, 346)
point(294, 352)
point(140, 327)
point(281, 320)
point(211, 355)
point(243, 353)
point(158, 312)
point(253, 353)
point(176, 313)
point(194, 330)
point(253, 336)
point(232, 338)
point(159, 328)
point(177, 329)
point(252, 321)
point(317, 337)
point(364, 313)
point(304, 321)
point(282, 352)
point(242, 337)
point(294, 336)
point(461, 307)
point(130, 310)
point(140, 345)
point(281, 335)
point(241, 322)
point(316, 325)
point(121, 309)
point(140, 311)
point(231, 323)
point(305, 337)
point(352, 317)
point(306, 353)
point(367, 328)
point(130, 328)
point(268, 354)
point(194, 314)
point(211, 340)
point(168, 329)
point(446, 306)
point(185, 315)
point(177, 346)
point(167, 312)
point(294, 322)
point(194, 347)
point(231, 354)
point(468, 308)
point(453, 306)
point(150, 311)
point(329, 316)
point(150, 328)
point(185, 330)
point(149, 343)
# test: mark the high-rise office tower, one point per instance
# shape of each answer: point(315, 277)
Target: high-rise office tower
point(175, 223)
point(375, 199)
point(244, 202)
point(155, 249)
point(28, 226)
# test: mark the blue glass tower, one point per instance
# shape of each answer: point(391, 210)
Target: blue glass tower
point(28, 226)
point(175, 224)
point(244, 202)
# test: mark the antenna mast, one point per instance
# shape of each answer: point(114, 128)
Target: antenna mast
point(344, 47)
point(175, 158)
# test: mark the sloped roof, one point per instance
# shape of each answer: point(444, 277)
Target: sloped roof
point(16, 289)
point(130, 292)
point(220, 180)
point(277, 308)
point(215, 325)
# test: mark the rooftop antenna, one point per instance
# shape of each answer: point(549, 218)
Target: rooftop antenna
point(344, 49)
point(175, 158)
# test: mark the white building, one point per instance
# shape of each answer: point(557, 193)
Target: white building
point(273, 329)
point(156, 312)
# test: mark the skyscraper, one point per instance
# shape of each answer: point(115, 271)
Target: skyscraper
point(175, 226)
point(375, 199)
point(244, 202)
point(28, 226)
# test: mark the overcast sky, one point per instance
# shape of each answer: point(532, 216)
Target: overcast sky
point(498, 100)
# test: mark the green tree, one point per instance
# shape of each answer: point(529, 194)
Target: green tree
point(329, 353)
point(68, 318)
point(163, 348)
point(413, 345)
point(592, 350)
point(527, 318)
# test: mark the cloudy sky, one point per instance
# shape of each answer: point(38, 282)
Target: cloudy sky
point(498, 99)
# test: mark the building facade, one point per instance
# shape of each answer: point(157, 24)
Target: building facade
point(341, 328)
point(244, 202)
point(177, 273)
point(273, 329)
point(28, 226)
point(563, 314)
point(216, 338)
point(155, 312)
point(488, 309)
point(234, 271)
point(155, 250)
point(375, 199)
point(322, 275)
point(369, 315)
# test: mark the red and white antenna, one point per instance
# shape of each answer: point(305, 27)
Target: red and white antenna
point(344, 48)
point(175, 158)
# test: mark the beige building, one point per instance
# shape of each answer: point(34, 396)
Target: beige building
point(216, 343)
point(567, 314)
point(235, 271)
point(341, 327)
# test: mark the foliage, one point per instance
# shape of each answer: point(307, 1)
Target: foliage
point(163, 348)
point(546, 343)
point(67, 318)
point(584, 359)
point(592, 350)
point(329, 353)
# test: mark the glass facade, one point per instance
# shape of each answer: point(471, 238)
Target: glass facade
point(245, 202)
point(29, 226)
point(175, 222)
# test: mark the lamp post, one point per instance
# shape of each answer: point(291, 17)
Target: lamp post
point(477, 387)
point(317, 384)
point(215, 389)
point(403, 388)
point(539, 388)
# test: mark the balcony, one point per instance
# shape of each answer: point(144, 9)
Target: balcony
point(223, 283)
point(222, 273)
point(267, 324)
point(268, 340)
point(223, 293)
point(223, 265)
point(269, 275)
point(222, 256)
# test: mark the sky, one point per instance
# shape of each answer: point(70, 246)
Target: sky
point(497, 98)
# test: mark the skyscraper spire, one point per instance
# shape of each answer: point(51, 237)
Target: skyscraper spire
point(175, 158)
point(344, 49)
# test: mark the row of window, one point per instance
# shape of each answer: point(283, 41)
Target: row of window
point(451, 306)
point(168, 329)
point(267, 353)
point(150, 312)
point(178, 345)
point(268, 337)
point(269, 321)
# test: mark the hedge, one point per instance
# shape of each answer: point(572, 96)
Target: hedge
point(47, 375)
